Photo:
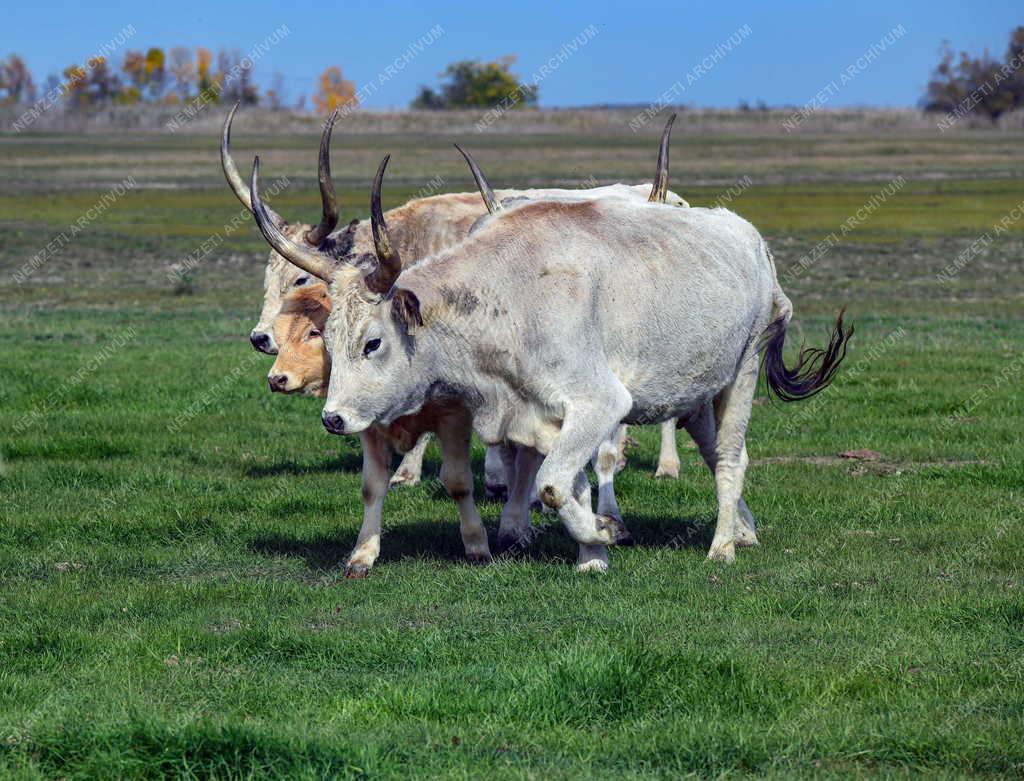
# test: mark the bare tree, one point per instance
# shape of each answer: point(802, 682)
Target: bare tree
point(183, 70)
point(16, 85)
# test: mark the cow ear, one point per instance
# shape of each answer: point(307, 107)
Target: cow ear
point(406, 307)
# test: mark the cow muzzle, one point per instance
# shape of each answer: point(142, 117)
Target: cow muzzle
point(279, 383)
point(333, 422)
point(263, 342)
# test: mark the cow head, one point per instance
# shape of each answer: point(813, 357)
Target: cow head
point(370, 332)
point(280, 276)
point(303, 364)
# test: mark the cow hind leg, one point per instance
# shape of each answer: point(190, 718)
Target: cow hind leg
point(700, 425)
point(410, 470)
point(732, 410)
point(668, 456)
point(376, 457)
point(605, 464)
point(497, 462)
point(457, 476)
point(621, 439)
point(594, 558)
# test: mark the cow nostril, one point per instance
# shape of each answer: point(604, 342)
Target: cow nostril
point(334, 423)
point(277, 381)
point(260, 341)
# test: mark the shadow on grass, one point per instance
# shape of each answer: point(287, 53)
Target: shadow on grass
point(345, 462)
point(441, 542)
point(349, 461)
point(352, 463)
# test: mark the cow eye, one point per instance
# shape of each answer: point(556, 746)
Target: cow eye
point(371, 345)
point(314, 334)
point(301, 281)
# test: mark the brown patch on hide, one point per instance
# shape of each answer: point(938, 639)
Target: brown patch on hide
point(549, 495)
point(584, 211)
point(606, 460)
point(461, 299)
point(405, 432)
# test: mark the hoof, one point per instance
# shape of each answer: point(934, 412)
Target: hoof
point(746, 539)
point(592, 558)
point(478, 558)
point(511, 543)
point(357, 571)
point(401, 477)
point(615, 528)
point(723, 552)
point(496, 493)
point(667, 472)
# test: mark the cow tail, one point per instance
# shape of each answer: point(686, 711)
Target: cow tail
point(815, 367)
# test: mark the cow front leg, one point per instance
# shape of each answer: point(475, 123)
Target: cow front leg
point(668, 455)
point(515, 531)
point(732, 410)
point(410, 470)
point(584, 427)
point(376, 457)
point(457, 476)
point(702, 428)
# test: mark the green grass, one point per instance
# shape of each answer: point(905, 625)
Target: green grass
point(172, 534)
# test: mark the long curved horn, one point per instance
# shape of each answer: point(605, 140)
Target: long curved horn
point(660, 186)
point(485, 189)
point(235, 182)
point(328, 197)
point(390, 262)
point(306, 258)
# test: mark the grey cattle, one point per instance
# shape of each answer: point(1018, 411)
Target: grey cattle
point(556, 321)
point(421, 227)
point(451, 422)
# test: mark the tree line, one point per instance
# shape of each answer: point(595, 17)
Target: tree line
point(169, 78)
point(181, 75)
point(979, 85)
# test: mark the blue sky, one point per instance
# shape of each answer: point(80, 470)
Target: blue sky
point(635, 52)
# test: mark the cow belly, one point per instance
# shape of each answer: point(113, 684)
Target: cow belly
point(670, 384)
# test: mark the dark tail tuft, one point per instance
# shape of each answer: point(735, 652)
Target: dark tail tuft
point(814, 368)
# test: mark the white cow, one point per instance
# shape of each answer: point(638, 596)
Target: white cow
point(556, 321)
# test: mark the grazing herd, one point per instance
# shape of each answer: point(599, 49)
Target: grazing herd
point(542, 320)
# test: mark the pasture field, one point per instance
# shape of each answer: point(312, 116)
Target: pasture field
point(172, 534)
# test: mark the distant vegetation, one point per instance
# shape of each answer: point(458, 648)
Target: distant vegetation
point(182, 75)
point(476, 84)
point(982, 86)
point(960, 86)
point(175, 77)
